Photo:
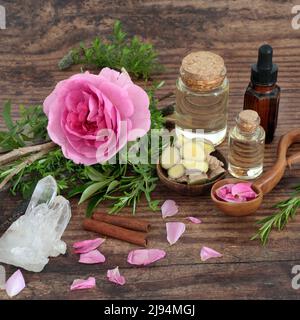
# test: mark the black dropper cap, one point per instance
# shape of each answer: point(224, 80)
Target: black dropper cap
point(264, 72)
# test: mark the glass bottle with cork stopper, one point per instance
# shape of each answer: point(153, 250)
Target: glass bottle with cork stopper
point(202, 91)
point(263, 94)
point(246, 146)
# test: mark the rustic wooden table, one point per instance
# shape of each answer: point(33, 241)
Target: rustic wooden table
point(39, 33)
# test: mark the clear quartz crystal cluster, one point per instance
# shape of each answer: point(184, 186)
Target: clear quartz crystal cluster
point(36, 236)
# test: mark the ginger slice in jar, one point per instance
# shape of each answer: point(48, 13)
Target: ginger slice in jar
point(193, 151)
point(176, 171)
point(169, 157)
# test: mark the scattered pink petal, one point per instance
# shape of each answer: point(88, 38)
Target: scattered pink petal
point(143, 257)
point(174, 231)
point(87, 245)
point(80, 284)
point(207, 253)
point(94, 256)
point(194, 220)
point(113, 275)
point(169, 208)
point(15, 284)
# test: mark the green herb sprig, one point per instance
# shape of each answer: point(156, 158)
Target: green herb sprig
point(66, 172)
point(137, 57)
point(287, 211)
point(31, 127)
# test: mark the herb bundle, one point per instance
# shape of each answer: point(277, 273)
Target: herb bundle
point(122, 184)
point(137, 57)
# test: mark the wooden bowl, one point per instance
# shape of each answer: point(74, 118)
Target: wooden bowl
point(236, 209)
point(191, 189)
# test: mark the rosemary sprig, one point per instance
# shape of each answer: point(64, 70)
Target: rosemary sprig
point(287, 210)
point(31, 127)
point(137, 57)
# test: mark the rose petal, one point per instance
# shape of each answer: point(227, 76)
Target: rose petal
point(249, 195)
point(194, 220)
point(174, 231)
point(141, 118)
point(169, 208)
point(80, 284)
point(15, 284)
point(223, 191)
point(2, 278)
point(113, 275)
point(144, 257)
point(87, 245)
point(241, 187)
point(94, 256)
point(207, 253)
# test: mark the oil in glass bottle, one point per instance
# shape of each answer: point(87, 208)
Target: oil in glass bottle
point(246, 146)
point(202, 91)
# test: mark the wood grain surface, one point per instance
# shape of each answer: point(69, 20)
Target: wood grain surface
point(40, 32)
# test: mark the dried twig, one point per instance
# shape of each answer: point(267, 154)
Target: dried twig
point(165, 96)
point(22, 165)
point(21, 152)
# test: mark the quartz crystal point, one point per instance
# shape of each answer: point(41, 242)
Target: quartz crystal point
point(34, 237)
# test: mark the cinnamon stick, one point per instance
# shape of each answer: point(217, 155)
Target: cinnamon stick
point(125, 222)
point(135, 237)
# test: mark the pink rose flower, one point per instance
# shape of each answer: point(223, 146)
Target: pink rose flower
point(93, 116)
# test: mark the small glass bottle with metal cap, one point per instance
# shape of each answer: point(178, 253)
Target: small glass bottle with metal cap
point(202, 91)
point(246, 146)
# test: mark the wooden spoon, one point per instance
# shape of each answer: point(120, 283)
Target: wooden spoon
point(265, 183)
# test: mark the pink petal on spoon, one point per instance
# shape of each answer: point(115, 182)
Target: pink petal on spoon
point(174, 231)
point(80, 284)
point(241, 187)
point(113, 275)
point(15, 284)
point(2, 278)
point(249, 195)
point(207, 253)
point(87, 245)
point(194, 220)
point(92, 257)
point(143, 257)
point(169, 208)
point(224, 191)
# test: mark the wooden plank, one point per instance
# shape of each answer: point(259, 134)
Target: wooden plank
point(39, 34)
point(266, 280)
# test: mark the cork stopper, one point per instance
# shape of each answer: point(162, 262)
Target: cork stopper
point(202, 70)
point(248, 121)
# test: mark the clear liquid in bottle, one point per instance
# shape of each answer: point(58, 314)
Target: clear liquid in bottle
point(246, 146)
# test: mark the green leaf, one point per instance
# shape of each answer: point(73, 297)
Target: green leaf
point(91, 190)
point(93, 203)
point(76, 191)
point(93, 174)
point(7, 115)
point(112, 186)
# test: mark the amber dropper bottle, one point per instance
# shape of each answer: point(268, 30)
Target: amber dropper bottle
point(263, 94)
